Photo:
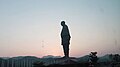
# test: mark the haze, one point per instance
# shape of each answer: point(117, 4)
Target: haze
point(32, 27)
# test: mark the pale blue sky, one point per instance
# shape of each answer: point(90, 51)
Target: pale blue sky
point(32, 27)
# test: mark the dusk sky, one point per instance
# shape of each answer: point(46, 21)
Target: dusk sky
point(32, 27)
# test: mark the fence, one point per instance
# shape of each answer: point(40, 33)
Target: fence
point(22, 62)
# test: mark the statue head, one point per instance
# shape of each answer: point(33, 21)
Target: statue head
point(62, 23)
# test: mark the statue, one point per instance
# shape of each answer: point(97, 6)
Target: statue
point(65, 38)
point(93, 59)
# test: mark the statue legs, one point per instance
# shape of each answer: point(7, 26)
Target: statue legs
point(66, 50)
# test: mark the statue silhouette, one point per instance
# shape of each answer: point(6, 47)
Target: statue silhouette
point(65, 38)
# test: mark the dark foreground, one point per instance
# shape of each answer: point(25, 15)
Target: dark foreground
point(109, 60)
point(75, 62)
point(81, 65)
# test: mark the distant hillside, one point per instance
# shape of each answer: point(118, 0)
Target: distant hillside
point(106, 58)
point(83, 59)
point(50, 56)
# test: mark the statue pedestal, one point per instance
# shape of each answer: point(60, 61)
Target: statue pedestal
point(55, 62)
point(61, 61)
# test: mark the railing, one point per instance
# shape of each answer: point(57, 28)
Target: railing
point(17, 62)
